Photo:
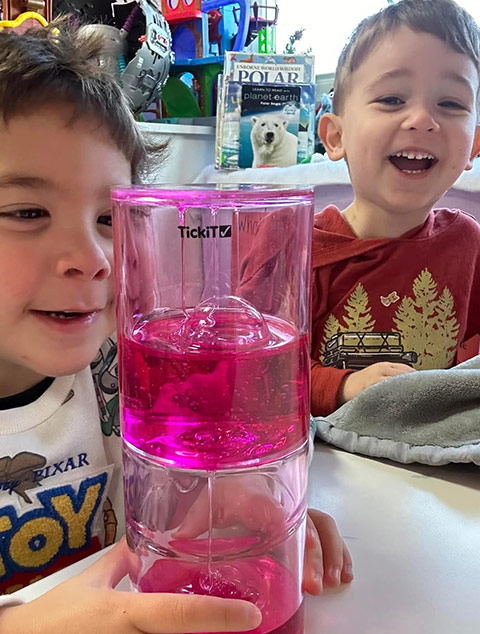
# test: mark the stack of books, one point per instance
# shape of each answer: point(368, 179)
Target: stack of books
point(265, 110)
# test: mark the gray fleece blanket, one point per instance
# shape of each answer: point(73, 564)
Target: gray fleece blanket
point(431, 416)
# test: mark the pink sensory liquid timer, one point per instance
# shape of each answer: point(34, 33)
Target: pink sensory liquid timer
point(213, 335)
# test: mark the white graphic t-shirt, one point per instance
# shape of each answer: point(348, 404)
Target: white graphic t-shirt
point(60, 474)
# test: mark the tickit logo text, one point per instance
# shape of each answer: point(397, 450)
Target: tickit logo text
point(211, 231)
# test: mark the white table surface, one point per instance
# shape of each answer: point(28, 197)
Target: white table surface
point(414, 533)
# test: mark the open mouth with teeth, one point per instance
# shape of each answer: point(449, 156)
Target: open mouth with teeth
point(63, 315)
point(412, 162)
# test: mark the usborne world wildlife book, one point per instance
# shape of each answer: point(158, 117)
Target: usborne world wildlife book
point(265, 111)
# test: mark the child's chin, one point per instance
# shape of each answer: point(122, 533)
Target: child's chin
point(71, 364)
point(63, 370)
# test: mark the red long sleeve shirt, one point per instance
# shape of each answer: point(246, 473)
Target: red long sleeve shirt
point(420, 292)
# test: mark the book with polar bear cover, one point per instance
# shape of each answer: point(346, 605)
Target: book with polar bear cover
point(275, 85)
point(269, 122)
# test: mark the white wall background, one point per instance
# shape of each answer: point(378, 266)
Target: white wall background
point(329, 23)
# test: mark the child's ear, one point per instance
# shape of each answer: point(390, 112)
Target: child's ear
point(475, 148)
point(330, 133)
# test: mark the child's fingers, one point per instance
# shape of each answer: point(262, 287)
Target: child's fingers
point(196, 521)
point(179, 613)
point(337, 562)
point(398, 368)
point(264, 514)
point(249, 503)
point(347, 570)
point(313, 567)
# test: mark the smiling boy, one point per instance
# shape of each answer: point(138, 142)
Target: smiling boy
point(55, 225)
point(397, 284)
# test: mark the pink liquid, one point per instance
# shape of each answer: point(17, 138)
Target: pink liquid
point(224, 387)
point(263, 581)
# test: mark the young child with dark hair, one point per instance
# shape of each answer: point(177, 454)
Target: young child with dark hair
point(66, 137)
point(396, 283)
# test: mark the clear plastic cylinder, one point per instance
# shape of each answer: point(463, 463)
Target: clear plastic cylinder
point(213, 334)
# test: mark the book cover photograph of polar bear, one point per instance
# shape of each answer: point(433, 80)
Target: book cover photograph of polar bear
point(272, 143)
point(269, 136)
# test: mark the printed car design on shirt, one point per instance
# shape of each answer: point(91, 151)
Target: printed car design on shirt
point(358, 350)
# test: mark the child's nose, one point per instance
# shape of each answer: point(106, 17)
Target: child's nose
point(421, 118)
point(82, 257)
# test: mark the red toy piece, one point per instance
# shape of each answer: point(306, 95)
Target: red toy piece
point(181, 10)
point(214, 37)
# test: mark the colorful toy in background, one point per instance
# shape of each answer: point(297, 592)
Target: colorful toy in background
point(148, 40)
point(138, 47)
point(10, 10)
point(201, 33)
point(193, 21)
point(180, 10)
point(146, 72)
point(262, 31)
point(142, 67)
point(214, 36)
point(24, 21)
point(144, 77)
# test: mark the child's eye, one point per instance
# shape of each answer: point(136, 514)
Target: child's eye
point(105, 219)
point(449, 103)
point(24, 214)
point(391, 101)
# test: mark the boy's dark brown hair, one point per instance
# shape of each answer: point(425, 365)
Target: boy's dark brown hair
point(60, 64)
point(442, 18)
